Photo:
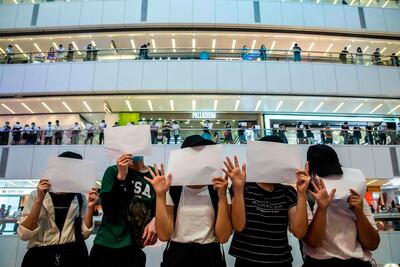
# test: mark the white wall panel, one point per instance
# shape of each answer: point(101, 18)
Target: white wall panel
point(181, 11)
point(346, 79)
point(270, 13)
point(383, 255)
point(8, 16)
point(204, 11)
point(352, 17)
point(70, 14)
point(7, 247)
point(158, 11)
point(292, 14)
point(1, 72)
point(16, 156)
point(132, 11)
point(389, 80)
point(155, 76)
point(24, 17)
point(362, 158)
point(35, 78)
point(167, 151)
point(229, 76)
point(130, 76)
point(39, 162)
point(383, 163)
point(368, 80)
point(313, 15)
point(334, 16)
point(374, 19)
point(392, 20)
point(226, 12)
point(245, 12)
point(58, 77)
point(302, 78)
point(278, 77)
point(179, 77)
point(98, 154)
point(81, 77)
point(12, 79)
point(394, 238)
point(157, 156)
point(105, 76)
point(48, 15)
point(344, 155)
point(91, 13)
point(113, 12)
point(324, 79)
point(204, 76)
point(254, 77)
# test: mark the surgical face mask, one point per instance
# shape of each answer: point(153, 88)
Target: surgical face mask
point(137, 159)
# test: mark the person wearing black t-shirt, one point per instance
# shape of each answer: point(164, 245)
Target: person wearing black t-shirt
point(261, 214)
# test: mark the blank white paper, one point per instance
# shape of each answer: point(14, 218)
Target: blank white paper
point(351, 178)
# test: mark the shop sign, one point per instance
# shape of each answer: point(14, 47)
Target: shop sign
point(15, 191)
point(204, 115)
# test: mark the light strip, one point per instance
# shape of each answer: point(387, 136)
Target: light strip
point(76, 47)
point(233, 44)
point(319, 106)
point(398, 53)
point(272, 47)
point(129, 105)
point(133, 45)
point(279, 105)
point(258, 105)
point(193, 105)
point(387, 2)
point(299, 106)
point(38, 48)
point(253, 44)
point(237, 104)
point(87, 106)
point(357, 108)
point(9, 109)
point(365, 49)
point(93, 43)
point(383, 50)
point(193, 43)
point(371, 182)
point(393, 110)
point(66, 106)
point(370, 1)
point(311, 46)
point(338, 107)
point(55, 45)
point(376, 108)
point(171, 104)
point(2, 51)
point(25, 106)
point(352, 2)
point(388, 183)
point(20, 50)
point(335, 2)
point(173, 45)
point(348, 47)
point(329, 48)
point(47, 107)
point(150, 104)
point(215, 104)
point(153, 43)
point(214, 41)
point(291, 46)
point(15, 2)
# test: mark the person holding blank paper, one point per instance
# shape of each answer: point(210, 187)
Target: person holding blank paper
point(342, 231)
point(261, 214)
point(194, 219)
point(56, 224)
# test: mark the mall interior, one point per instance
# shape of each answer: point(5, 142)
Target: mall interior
point(231, 69)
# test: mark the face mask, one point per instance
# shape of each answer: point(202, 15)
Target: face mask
point(137, 159)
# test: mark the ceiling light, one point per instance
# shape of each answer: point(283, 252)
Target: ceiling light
point(370, 1)
point(173, 44)
point(253, 44)
point(2, 51)
point(383, 50)
point(352, 2)
point(215, 104)
point(93, 43)
point(398, 53)
point(150, 105)
point(338, 107)
point(299, 106)
point(371, 182)
point(15, 2)
point(55, 45)
point(393, 110)
point(272, 47)
point(193, 43)
point(214, 41)
point(153, 43)
point(258, 105)
point(19, 48)
point(38, 48)
point(279, 105)
point(365, 49)
point(233, 44)
point(376, 108)
point(291, 46)
point(329, 48)
point(66, 106)
point(76, 47)
point(335, 2)
point(129, 105)
point(348, 47)
point(133, 45)
point(311, 46)
point(319, 106)
point(87, 106)
point(25, 106)
point(357, 108)
point(193, 105)
point(384, 5)
point(237, 104)
point(47, 107)
point(171, 104)
point(9, 109)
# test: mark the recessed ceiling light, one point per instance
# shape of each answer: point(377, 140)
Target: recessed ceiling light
point(357, 108)
point(171, 104)
point(193, 105)
point(237, 104)
point(311, 46)
point(233, 44)
point(129, 105)
point(258, 105)
point(273, 46)
point(173, 44)
point(299, 106)
point(133, 45)
point(291, 46)
point(387, 2)
point(365, 49)
point(215, 104)
point(87, 106)
point(47, 107)
point(66, 106)
point(376, 108)
point(93, 43)
point(319, 106)
point(279, 105)
point(28, 108)
point(383, 50)
point(253, 45)
point(76, 47)
point(214, 41)
point(393, 110)
point(9, 109)
point(150, 104)
point(338, 107)
point(371, 182)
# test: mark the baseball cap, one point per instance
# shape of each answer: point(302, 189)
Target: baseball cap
point(196, 140)
point(323, 160)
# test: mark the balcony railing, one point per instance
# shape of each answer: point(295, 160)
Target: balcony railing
point(219, 135)
point(199, 54)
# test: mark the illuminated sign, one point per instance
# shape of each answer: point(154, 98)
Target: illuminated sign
point(204, 115)
point(15, 191)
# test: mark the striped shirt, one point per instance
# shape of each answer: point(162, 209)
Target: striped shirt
point(264, 239)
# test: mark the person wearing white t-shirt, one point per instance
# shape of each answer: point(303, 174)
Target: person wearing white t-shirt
point(76, 130)
point(342, 231)
point(48, 134)
point(58, 133)
point(102, 126)
point(194, 219)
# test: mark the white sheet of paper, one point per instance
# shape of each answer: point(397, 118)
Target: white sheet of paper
point(71, 175)
point(272, 162)
point(351, 178)
point(127, 139)
point(195, 165)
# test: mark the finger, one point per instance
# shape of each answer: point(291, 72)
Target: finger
point(313, 194)
point(152, 173)
point(225, 171)
point(353, 192)
point(319, 182)
point(226, 177)
point(235, 158)
point(162, 169)
point(149, 180)
point(244, 167)
point(322, 183)
point(227, 166)
point(169, 179)
point(332, 193)
point(315, 187)
point(230, 163)
point(307, 168)
point(145, 232)
point(156, 169)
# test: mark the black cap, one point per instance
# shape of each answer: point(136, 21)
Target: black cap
point(271, 138)
point(196, 140)
point(323, 160)
point(71, 155)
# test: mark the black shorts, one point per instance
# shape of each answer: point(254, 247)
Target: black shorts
point(101, 256)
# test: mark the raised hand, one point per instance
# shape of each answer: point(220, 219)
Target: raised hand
point(92, 198)
point(355, 202)
point(149, 236)
point(159, 182)
point(235, 173)
point(321, 195)
point(220, 185)
point(42, 188)
point(303, 180)
point(123, 164)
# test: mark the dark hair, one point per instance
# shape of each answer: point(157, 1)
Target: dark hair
point(71, 155)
